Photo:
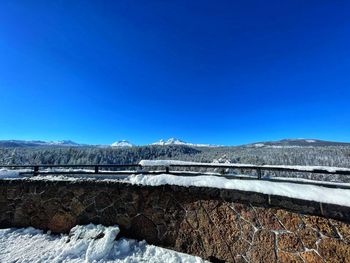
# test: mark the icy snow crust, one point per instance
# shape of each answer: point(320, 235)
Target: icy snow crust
point(299, 191)
point(8, 174)
point(89, 243)
point(227, 165)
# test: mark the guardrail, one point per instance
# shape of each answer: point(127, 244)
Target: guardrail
point(95, 168)
point(166, 167)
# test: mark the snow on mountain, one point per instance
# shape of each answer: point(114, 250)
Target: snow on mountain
point(63, 143)
point(37, 143)
point(122, 143)
point(170, 141)
point(174, 141)
point(294, 143)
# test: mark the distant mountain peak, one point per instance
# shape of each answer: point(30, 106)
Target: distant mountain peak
point(175, 141)
point(37, 143)
point(170, 141)
point(122, 143)
point(62, 142)
point(293, 143)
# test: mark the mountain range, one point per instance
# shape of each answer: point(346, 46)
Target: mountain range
point(36, 143)
point(174, 141)
point(285, 143)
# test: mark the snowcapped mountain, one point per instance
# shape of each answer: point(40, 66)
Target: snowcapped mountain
point(36, 143)
point(122, 143)
point(170, 141)
point(174, 141)
point(63, 143)
point(292, 143)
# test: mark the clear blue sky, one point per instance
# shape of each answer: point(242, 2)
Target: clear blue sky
point(224, 72)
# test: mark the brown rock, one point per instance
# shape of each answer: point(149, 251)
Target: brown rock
point(321, 224)
point(52, 206)
point(248, 230)
point(289, 242)
point(334, 251)
point(309, 237)
point(67, 199)
point(61, 222)
point(288, 257)
point(108, 216)
point(189, 241)
point(76, 207)
point(240, 247)
point(21, 218)
point(240, 259)
point(263, 249)
point(191, 218)
point(13, 193)
point(206, 240)
point(124, 221)
point(209, 205)
point(227, 222)
point(291, 221)
point(267, 219)
point(103, 200)
point(343, 229)
point(144, 228)
point(246, 212)
point(311, 257)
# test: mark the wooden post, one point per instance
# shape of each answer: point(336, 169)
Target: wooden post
point(96, 169)
point(167, 169)
point(36, 170)
point(258, 171)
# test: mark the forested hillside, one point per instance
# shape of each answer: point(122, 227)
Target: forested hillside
point(328, 156)
point(324, 156)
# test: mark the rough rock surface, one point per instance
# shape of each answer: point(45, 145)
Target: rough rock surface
point(217, 225)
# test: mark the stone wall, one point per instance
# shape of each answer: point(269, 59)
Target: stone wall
point(219, 225)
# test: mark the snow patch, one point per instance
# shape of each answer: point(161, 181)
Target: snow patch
point(300, 168)
point(89, 243)
point(7, 174)
point(298, 191)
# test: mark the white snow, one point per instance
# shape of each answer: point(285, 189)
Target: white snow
point(174, 141)
point(4, 173)
point(89, 243)
point(310, 141)
point(238, 165)
point(170, 141)
point(292, 190)
point(163, 162)
point(122, 143)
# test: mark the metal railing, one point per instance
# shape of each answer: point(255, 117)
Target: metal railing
point(121, 169)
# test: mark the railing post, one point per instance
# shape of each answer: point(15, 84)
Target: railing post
point(36, 170)
point(167, 169)
point(96, 169)
point(140, 168)
point(258, 171)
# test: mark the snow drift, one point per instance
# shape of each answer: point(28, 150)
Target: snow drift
point(88, 243)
